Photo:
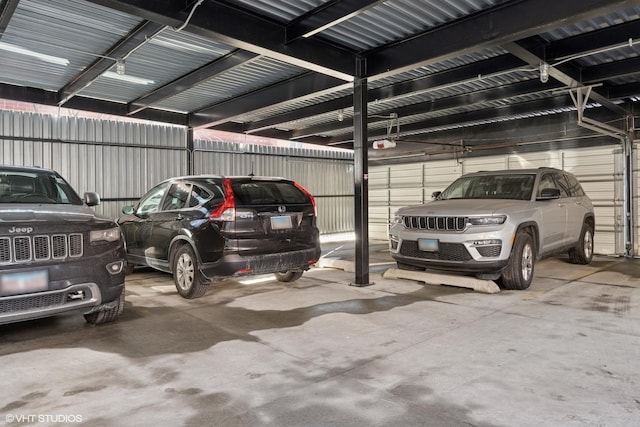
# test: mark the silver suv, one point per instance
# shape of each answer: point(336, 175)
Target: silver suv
point(496, 225)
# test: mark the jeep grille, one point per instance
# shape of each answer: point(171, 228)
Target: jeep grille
point(40, 248)
point(443, 223)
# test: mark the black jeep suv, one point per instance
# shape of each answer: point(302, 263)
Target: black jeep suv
point(56, 254)
point(207, 228)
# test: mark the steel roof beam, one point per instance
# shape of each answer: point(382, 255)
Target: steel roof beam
point(592, 41)
point(611, 70)
point(561, 76)
point(192, 79)
point(132, 41)
point(460, 74)
point(309, 84)
point(243, 30)
point(7, 8)
point(498, 25)
point(471, 117)
point(326, 16)
point(44, 97)
point(468, 99)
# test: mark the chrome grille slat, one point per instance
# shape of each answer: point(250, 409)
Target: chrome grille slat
point(440, 223)
point(20, 249)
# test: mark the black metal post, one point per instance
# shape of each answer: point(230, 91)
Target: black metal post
point(361, 174)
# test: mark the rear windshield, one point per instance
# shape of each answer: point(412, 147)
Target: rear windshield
point(267, 193)
point(35, 187)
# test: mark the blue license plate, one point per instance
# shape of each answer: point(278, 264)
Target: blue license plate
point(428, 245)
point(24, 282)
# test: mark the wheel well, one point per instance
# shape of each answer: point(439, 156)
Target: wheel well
point(532, 229)
point(591, 221)
point(173, 250)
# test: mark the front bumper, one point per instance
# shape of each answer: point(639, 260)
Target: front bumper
point(485, 250)
point(83, 296)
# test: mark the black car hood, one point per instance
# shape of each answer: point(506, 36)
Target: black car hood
point(24, 213)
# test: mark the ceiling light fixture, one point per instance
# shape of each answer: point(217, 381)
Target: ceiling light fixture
point(340, 115)
point(544, 72)
point(41, 56)
point(128, 79)
point(120, 67)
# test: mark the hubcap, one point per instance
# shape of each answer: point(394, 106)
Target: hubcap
point(184, 272)
point(588, 244)
point(527, 262)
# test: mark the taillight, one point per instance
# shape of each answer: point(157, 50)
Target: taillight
point(310, 196)
point(227, 209)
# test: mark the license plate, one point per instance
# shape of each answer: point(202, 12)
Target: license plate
point(24, 282)
point(428, 245)
point(280, 222)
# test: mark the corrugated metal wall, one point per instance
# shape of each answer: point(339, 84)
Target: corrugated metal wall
point(116, 159)
point(328, 175)
point(600, 170)
point(122, 160)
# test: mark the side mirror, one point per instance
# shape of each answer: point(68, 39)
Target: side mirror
point(549, 194)
point(128, 210)
point(436, 194)
point(91, 198)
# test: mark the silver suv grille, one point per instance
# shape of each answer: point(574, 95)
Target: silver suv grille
point(40, 248)
point(445, 223)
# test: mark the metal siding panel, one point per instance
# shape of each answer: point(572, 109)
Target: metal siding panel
point(333, 191)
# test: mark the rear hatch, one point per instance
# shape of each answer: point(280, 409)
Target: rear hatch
point(273, 215)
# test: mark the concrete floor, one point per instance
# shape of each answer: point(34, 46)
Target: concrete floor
point(320, 352)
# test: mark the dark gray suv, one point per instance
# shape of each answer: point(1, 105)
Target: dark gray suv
point(207, 228)
point(496, 225)
point(56, 254)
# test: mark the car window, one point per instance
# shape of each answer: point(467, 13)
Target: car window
point(267, 192)
point(36, 187)
point(575, 189)
point(546, 181)
point(199, 196)
point(176, 196)
point(151, 200)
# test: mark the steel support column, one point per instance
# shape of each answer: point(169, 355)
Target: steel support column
point(361, 175)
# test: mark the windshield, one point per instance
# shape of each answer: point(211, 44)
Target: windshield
point(509, 186)
point(18, 186)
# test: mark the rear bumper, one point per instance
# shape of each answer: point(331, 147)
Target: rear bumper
point(238, 265)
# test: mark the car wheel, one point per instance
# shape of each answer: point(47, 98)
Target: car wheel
point(106, 315)
point(128, 268)
point(519, 271)
point(583, 252)
point(288, 276)
point(185, 274)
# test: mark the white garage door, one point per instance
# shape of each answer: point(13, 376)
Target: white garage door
point(598, 169)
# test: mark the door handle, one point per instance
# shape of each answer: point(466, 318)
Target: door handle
point(179, 218)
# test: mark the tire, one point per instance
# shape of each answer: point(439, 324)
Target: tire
point(288, 276)
point(106, 315)
point(128, 269)
point(582, 253)
point(518, 273)
point(186, 275)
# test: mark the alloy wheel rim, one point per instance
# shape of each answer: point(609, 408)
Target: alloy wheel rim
point(185, 272)
point(527, 262)
point(588, 244)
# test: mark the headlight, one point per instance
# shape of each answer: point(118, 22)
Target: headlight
point(397, 219)
point(108, 235)
point(487, 220)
